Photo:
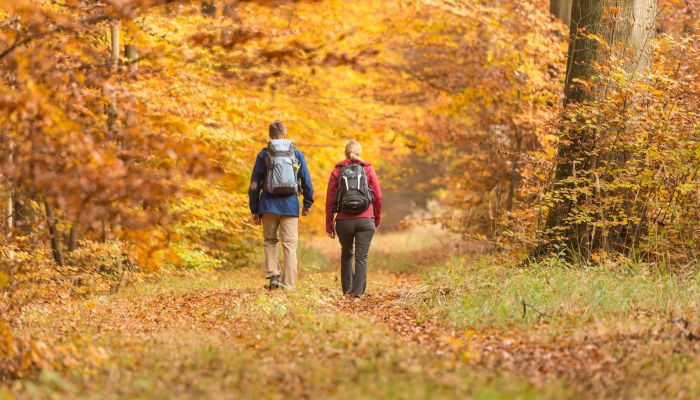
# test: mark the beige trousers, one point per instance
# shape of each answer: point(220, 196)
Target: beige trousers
point(288, 228)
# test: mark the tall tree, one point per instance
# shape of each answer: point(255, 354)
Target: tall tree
point(561, 9)
point(599, 31)
point(10, 202)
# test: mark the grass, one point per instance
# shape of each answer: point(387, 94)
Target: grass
point(610, 329)
point(481, 294)
point(409, 252)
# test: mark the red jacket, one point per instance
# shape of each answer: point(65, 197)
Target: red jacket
point(374, 210)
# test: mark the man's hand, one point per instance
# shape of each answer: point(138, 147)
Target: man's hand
point(256, 219)
point(306, 211)
point(331, 234)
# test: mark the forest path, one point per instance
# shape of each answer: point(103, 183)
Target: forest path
point(223, 335)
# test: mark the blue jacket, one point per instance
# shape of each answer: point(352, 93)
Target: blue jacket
point(262, 202)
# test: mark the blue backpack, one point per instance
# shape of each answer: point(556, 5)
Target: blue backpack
point(281, 178)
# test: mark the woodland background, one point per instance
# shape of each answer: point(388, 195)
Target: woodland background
point(556, 137)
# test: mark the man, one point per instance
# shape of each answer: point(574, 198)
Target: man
point(279, 175)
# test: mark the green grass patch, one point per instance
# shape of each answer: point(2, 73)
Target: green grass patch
point(482, 294)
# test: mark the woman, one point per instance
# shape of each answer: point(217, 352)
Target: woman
point(354, 194)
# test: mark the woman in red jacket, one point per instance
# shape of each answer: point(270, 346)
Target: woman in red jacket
point(354, 194)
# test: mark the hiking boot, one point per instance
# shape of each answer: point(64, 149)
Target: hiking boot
point(275, 282)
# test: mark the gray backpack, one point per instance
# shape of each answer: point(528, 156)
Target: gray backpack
point(282, 168)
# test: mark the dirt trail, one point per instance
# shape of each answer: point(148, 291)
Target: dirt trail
point(222, 335)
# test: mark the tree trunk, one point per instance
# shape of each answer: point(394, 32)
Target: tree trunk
point(627, 26)
point(10, 209)
point(514, 174)
point(132, 55)
point(53, 233)
point(209, 8)
point(131, 52)
point(114, 53)
point(561, 9)
point(73, 237)
point(111, 108)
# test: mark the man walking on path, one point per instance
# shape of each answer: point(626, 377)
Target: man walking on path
point(279, 175)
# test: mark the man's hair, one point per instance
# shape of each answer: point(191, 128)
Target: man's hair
point(277, 129)
point(353, 147)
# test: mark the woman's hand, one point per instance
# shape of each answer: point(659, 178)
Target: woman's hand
point(331, 234)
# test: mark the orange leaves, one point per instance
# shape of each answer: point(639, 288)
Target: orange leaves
point(499, 75)
point(227, 38)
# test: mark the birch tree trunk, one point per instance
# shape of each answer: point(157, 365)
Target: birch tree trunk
point(628, 27)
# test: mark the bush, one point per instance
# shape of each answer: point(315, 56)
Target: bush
point(105, 258)
point(99, 265)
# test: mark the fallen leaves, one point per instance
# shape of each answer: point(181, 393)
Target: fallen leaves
point(283, 334)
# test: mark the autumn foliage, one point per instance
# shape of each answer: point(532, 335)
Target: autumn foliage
point(129, 130)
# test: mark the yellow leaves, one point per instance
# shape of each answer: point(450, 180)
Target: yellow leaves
point(594, 37)
point(6, 339)
point(150, 247)
point(4, 279)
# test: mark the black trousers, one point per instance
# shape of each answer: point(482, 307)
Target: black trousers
point(355, 236)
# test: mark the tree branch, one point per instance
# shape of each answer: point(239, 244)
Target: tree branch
point(26, 40)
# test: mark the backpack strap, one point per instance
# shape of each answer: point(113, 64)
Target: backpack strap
point(297, 167)
point(336, 206)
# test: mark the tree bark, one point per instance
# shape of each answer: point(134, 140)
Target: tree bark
point(73, 237)
point(514, 174)
point(111, 108)
point(627, 26)
point(114, 35)
point(561, 9)
point(53, 233)
point(132, 55)
point(10, 209)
